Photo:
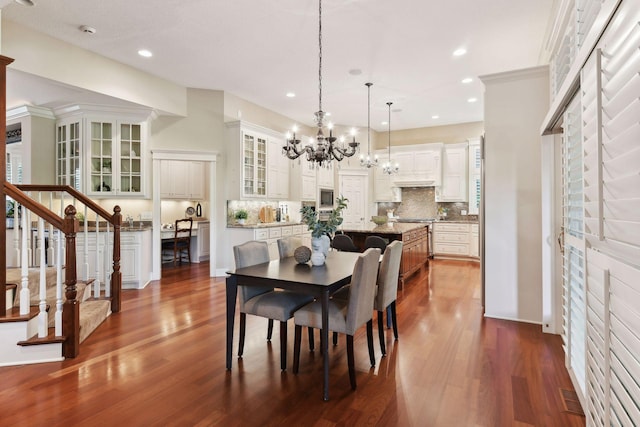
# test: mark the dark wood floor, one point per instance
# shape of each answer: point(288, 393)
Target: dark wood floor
point(161, 362)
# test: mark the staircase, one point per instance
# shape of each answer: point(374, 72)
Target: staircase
point(46, 318)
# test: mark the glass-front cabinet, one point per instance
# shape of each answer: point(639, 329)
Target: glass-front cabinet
point(254, 165)
point(101, 156)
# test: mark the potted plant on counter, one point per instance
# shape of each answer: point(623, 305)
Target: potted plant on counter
point(320, 230)
point(241, 216)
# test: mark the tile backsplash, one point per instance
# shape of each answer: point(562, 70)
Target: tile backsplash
point(421, 202)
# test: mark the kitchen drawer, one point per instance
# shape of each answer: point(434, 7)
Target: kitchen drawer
point(275, 233)
point(441, 226)
point(475, 228)
point(287, 231)
point(297, 229)
point(450, 237)
point(261, 234)
point(450, 249)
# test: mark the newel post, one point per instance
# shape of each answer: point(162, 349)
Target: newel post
point(116, 277)
point(71, 307)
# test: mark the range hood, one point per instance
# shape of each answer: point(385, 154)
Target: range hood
point(414, 183)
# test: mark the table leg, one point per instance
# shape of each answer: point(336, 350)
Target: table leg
point(325, 343)
point(232, 294)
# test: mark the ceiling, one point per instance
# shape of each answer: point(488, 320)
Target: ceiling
point(259, 50)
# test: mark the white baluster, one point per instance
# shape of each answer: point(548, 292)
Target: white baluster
point(108, 261)
point(85, 266)
point(96, 283)
point(24, 272)
point(27, 230)
point(42, 315)
point(39, 242)
point(58, 315)
point(51, 249)
point(16, 234)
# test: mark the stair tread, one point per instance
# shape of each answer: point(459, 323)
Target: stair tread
point(51, 338)
point(13, 315)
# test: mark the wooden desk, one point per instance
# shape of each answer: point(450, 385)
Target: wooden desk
point(319, 281)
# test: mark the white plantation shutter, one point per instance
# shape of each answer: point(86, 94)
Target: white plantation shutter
point(587, 13)
point(610, 88)
point(574, 301)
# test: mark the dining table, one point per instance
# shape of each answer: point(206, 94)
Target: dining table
point(286, 273)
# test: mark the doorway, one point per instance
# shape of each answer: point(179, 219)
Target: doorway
point(353, 186)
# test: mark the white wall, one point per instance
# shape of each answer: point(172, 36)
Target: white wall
point(515, 105)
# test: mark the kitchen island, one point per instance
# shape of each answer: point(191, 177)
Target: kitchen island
point(414, 237)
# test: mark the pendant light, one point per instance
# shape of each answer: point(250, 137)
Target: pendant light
point(368, 162)
point(388, 168)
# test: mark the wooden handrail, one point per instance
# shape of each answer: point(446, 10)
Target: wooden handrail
point(52, 218)
point(73, 192)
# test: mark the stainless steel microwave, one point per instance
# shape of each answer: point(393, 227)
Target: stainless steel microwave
point(326, 199)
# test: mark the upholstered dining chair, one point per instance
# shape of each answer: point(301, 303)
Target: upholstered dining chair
point(288, 245)
point(342, 242)
point(345, 316)
point(181, 241)
point(388, 289)
point(286, 248)
point(375, 242)
point(265, 301)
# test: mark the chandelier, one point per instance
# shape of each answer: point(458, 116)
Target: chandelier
point(388, 168)
point(323, 150)
point(368, 162)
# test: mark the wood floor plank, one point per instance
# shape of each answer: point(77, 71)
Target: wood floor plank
point(161, 361)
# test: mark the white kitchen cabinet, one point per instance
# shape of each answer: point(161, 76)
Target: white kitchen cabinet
point(326, 177)
point(252, 149)
point(203, 240)
point(384, 187)
point(454, 174)
point(474, 176)
point(451, 239)
point(102, 154)
point(278, 170)
point(419, 165)
point(238, 235)
point(474, 241)
point(182, 180)
point(302, 176)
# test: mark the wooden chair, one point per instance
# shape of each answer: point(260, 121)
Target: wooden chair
point(342, 242)
point(265, 301)
point(181, 240)
point(345, 316)
point(388, 289)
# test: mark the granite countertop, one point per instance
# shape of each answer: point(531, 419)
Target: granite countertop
point(263, 225)
point(388, 228)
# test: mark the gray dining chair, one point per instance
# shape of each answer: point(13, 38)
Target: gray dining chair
point(345, 316)
point(286, 248)
point(265, 301)
point(288, 245)
point(387, 292)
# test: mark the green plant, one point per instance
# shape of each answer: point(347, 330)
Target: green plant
point(241, 214)
point(319, 228)
point(11, 209)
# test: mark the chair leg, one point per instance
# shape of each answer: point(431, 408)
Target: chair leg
point(350, 362)
point(270, 330)
point(243, 328)
point(372, 355)
point(311, 342)
point(297, 337)
point(389, 317)
point(393, 320)
point(283, 346)
point(381, 332)
point(335, 338)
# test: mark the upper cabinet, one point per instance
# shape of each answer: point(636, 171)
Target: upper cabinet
point(102, 153)
point(326, 177)
point(419, 165)
point(384, 189)
point(256, 166)
point(454, 174)
point(182, 179)
point(302, 176)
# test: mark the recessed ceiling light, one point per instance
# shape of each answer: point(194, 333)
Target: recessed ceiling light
point(471, 100)
point(146, 53)
point(435, 116)
point(291, 95)
point(467, 80)
point(25, 2)
point(459, 52)
point(384, 123)
point(87, 29)
point(355, 71)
